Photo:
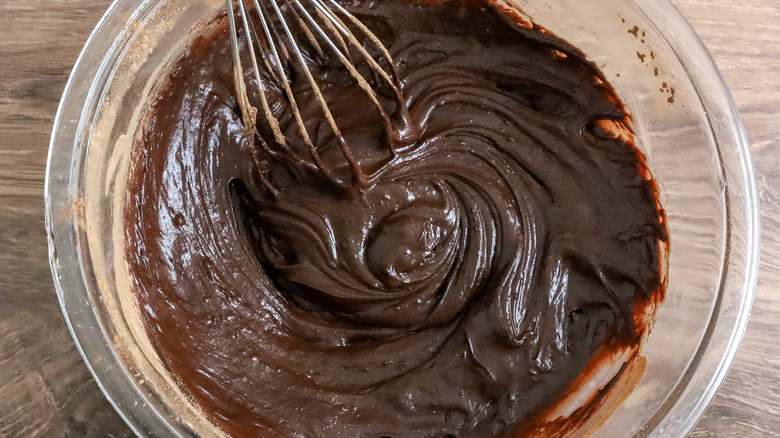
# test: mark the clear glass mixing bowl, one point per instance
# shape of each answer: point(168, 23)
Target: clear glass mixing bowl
point(687, 126)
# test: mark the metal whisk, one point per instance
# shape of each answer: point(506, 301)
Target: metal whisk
point(322, 23)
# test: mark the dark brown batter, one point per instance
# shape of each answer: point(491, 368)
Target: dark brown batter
point(458, 293)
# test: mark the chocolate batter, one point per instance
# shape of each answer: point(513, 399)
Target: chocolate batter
point(457, 291)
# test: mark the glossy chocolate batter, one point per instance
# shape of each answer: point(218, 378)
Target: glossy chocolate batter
point(457, 292)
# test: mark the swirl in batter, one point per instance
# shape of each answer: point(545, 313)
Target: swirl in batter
point(459, 292)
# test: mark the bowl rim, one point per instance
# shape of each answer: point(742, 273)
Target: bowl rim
point(103, 362)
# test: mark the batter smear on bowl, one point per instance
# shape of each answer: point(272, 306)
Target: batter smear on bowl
point(460, 289)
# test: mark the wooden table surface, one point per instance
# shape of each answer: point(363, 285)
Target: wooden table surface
point(45, 388)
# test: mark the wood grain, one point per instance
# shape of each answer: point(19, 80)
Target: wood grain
point(45, 388)
point(744, 38)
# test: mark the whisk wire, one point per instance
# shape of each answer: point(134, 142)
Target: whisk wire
point(362, 83)
point(357, 172)
point(285, 82)
point(256, 69)
point(335, 33)
point(367, 32)
point(271, 35)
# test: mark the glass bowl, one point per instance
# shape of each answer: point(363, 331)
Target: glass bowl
point(686, 122)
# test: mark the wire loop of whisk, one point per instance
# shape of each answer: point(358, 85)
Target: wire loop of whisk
point(278, 45)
